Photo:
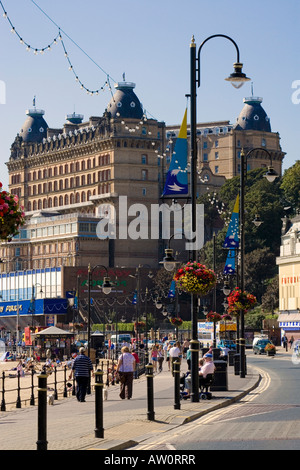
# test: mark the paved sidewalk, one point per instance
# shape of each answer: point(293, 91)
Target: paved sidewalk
point(71, 425)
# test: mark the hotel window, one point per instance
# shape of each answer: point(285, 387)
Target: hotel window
point(144, 175)
point(205, 157)
point(216, 169)
point(205, 144)
point(216, 143)
point(144, 159)
point(144, 191)
point(216, 155)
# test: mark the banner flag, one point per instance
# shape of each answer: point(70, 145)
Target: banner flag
point(177, 176)
point(232, 236)
point(171, 293)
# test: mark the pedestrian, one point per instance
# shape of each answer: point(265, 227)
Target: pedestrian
point(188, 357)
point(291, 341)
point(175, 354)
point(284, 342)
point(137, 361)
point(154, 354)
point(125, 369)
point(82, 366)
point(160, 357)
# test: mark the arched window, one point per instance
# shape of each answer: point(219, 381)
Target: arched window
point(61, 200)
point(66, 200)
point(55, 202)
point(83, 196)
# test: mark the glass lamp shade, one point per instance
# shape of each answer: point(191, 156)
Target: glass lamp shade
point(237, 78)
point(271, 174)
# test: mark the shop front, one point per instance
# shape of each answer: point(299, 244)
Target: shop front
point(289, 324)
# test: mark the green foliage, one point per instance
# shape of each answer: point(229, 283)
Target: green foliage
point(290, 185)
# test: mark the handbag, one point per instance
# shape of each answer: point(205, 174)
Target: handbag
point(120, 377)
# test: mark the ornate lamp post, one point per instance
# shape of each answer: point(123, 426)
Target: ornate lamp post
point(237, 78)
point(106, 288)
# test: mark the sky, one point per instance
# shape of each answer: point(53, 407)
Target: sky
point(149, 41)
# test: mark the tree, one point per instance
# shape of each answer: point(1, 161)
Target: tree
point(290, 185)
point(260, 266)
point(270, 299)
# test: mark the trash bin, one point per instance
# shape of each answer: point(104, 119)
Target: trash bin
point(231, 355)
point(216, 353)
point(237, 359)
point(220, 377)
point(204, 351)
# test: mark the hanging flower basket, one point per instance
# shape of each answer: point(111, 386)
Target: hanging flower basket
point(11, 215)
point(214, 317)
point(226, 317)
point(239, 300)
point(195, 278)
point(176, 321)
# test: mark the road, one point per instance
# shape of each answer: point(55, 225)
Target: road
point(266, 419)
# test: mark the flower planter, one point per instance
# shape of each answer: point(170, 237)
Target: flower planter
point(195, 278)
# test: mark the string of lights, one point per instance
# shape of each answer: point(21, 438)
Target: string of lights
point(48, 47)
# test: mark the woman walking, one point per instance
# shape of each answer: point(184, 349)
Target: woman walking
point(125, 368)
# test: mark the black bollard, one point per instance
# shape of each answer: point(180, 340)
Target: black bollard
point(150, 394)
point(99, 431)
point(18, 403)
point(3, 405)
point(65, 382)
point(42, 412)
point(176, 374)
point(55, 384)
point(32, 400)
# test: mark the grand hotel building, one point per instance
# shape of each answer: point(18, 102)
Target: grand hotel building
point(67, 179)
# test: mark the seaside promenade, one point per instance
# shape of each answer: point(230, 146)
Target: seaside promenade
point(71, 425)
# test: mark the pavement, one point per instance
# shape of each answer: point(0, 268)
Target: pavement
point(71, 425)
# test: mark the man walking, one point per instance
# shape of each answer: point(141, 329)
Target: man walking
point(175, 354)
point(82, 366)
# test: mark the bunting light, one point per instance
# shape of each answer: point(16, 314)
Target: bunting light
point(41, 50)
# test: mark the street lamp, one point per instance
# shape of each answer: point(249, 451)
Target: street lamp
point(271, 175)
point(237, 78)
point(106, 288)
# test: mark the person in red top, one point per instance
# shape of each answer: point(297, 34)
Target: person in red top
point(137, 361)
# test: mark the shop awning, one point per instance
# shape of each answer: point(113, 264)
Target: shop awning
point(289, 317)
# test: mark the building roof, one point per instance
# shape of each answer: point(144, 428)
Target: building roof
point(125, 103)
point(35, 127)
point(253, 116)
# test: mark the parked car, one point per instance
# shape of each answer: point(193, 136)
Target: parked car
point(228, 343)
point(259, 346)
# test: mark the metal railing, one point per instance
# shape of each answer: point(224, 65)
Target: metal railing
point(57, 382)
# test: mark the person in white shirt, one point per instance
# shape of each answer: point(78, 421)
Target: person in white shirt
point(175, 354)
point(125, 368)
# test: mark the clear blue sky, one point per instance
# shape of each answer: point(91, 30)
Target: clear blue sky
point(150, 42)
